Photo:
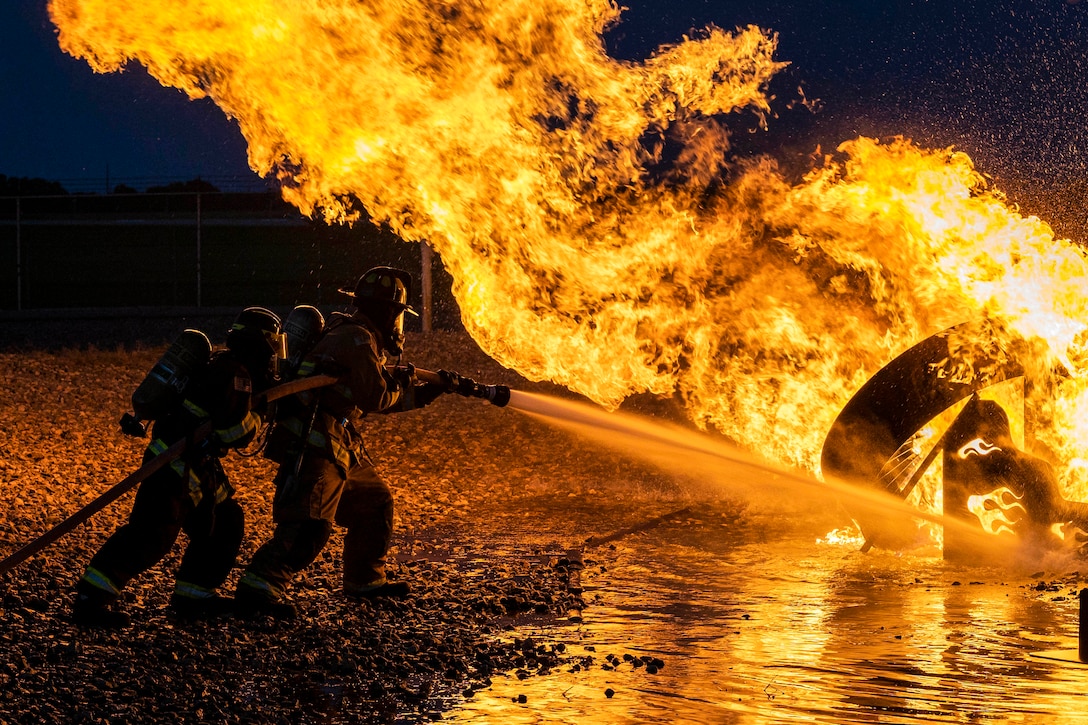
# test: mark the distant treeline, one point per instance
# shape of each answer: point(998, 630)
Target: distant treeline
point(23, 186)
point(28, 186)
point(33, 200)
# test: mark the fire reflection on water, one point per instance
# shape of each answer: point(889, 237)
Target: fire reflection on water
point(766, 619)
point(756, 624)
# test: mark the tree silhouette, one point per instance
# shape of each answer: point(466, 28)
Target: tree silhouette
point(24, 186)
point(192, 186)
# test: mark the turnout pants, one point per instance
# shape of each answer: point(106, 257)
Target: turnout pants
point(163, 509)
point(304, 509)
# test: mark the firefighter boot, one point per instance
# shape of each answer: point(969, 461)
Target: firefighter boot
point(250, 603)
point(92, 609)
point(394, 590)
point(193, 601)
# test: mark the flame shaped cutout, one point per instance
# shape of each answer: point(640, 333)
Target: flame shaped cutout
point(977, 447)
point(997, 511)
point(600, 229)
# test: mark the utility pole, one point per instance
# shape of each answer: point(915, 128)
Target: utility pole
point(426, 256)
point(198, 271)
point(18, 254)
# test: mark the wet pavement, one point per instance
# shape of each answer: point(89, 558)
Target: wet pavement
point(708, 599)
point(753, 621)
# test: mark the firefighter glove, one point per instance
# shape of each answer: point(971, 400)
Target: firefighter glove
point(459, 384)
point(449, 380)
point(209, 447)
point(405, 376)
point(427, 393)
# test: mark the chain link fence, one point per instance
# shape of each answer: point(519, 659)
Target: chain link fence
point(200, 251)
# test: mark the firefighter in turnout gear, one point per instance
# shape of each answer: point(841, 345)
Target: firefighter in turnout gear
point(325, 475)
point(192, 493)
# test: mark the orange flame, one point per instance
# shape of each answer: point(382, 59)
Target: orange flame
point(850, 536)
point(503, 134)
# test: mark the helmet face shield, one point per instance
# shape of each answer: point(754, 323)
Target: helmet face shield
point(384, 295)
point(396, 335)
point(278, 342)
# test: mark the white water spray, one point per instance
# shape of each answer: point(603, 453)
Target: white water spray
point(680, 451)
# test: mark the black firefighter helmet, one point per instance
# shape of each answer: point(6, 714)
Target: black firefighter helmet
point(382, 294)
point(255, 337)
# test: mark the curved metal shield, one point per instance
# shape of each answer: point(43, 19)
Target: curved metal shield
point(871, 433)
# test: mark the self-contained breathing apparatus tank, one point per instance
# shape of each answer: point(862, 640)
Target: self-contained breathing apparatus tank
point(165, 383)
point(303, 328)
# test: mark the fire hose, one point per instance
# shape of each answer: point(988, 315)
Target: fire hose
point(498, 395)
point(118, 489)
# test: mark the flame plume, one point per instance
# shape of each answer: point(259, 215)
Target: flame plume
point(599, 228)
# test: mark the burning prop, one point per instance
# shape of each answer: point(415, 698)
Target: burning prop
point(986, 478)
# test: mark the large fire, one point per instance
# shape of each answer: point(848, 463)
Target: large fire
point(599, 228)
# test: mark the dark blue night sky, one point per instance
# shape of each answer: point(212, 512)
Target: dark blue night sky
point(1004, 80)
point(65, 122)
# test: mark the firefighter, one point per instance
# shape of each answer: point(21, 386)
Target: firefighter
point(192, 494)
point(325, 476)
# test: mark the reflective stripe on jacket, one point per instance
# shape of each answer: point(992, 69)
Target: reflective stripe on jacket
point(350, 350)
point(221, 393)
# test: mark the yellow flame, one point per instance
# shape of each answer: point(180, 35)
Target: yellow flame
point(599, 228)
point(847, 536)
point(1069, 533)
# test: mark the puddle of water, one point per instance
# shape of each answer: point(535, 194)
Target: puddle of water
point(760, 624)
point(756, 622)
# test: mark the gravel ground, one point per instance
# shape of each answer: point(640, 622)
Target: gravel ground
point(478, 537)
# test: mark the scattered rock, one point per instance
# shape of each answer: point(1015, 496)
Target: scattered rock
point(479, 571)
